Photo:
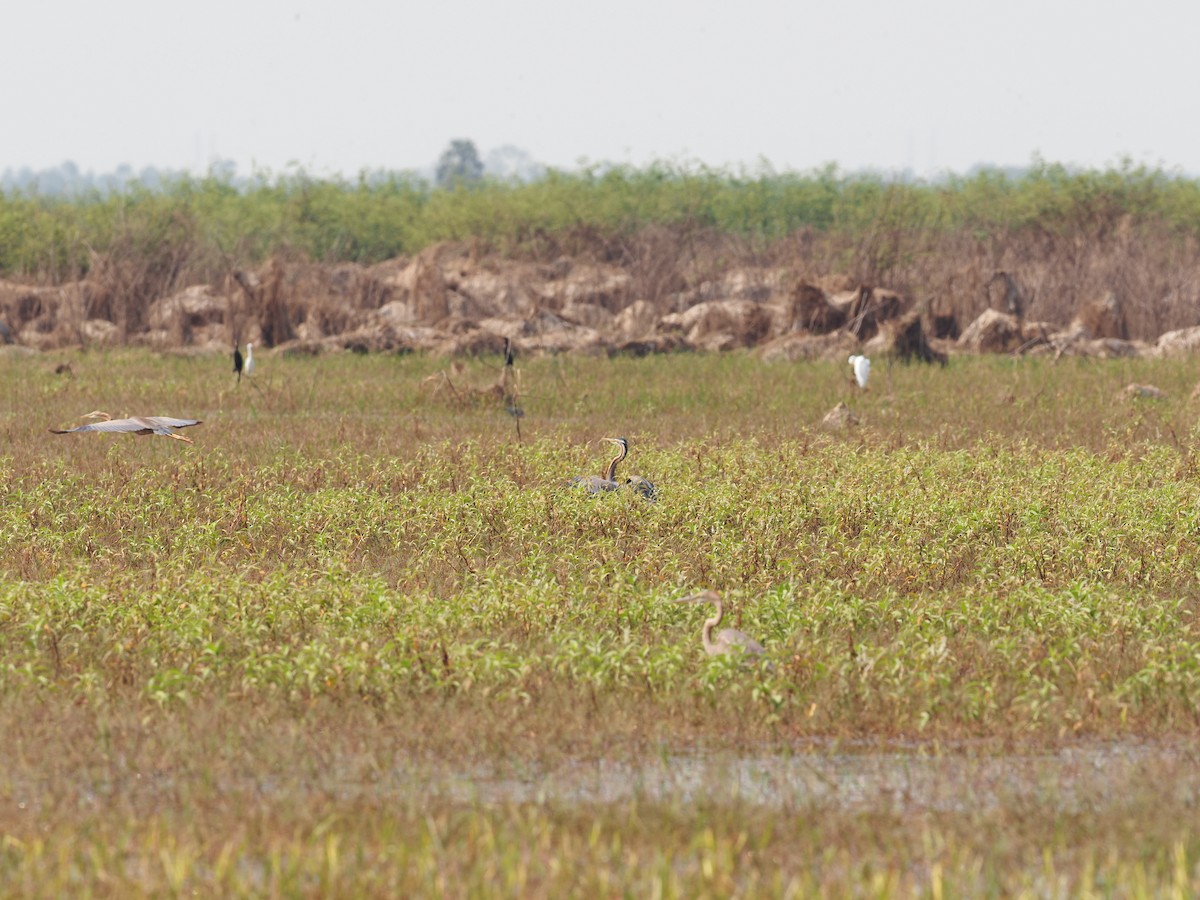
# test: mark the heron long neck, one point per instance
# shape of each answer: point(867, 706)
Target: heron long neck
point(709, 625)
point(611, 475)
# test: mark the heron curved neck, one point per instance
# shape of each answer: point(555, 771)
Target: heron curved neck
point(611, 474)
point(709, 625)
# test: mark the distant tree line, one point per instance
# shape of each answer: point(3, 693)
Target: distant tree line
point(459, 164)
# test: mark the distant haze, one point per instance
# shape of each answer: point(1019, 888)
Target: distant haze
point(343, 88)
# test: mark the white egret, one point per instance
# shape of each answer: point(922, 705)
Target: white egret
point(862, 370)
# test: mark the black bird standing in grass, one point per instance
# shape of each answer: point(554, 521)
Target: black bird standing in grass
point(238, 363)
point(508, 386)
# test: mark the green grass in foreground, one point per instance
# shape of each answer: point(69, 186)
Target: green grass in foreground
point(244, 666)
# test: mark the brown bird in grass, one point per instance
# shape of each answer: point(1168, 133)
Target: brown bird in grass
point(728, 640)
point(598, 484)
point(133, 425)
point(601, 484)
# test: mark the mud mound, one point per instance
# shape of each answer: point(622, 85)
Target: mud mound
point(800, 346)
point(905, 339)
point(1103, 318)
point(634, 296)
point(1181, 342)
point(839, 418)
point(721, 324)
point(997, 332)
point(812, 310)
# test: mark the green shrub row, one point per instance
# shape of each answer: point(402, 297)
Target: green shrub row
point(216, 223)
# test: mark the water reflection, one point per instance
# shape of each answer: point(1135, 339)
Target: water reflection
point(1070, 780)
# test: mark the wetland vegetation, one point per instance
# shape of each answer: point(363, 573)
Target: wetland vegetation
point(358, 639)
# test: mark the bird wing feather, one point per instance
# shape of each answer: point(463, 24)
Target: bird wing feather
point(594, 484)
point(171, 422)
point(731, 637)
point(119, 425)
point(135, 425)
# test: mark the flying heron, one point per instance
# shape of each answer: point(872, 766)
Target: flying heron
point(238, 363)
point(728, 640)
point(596, 484)
point(133, 425)
point(862, 370)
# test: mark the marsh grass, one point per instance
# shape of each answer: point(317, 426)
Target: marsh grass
point(227, 666)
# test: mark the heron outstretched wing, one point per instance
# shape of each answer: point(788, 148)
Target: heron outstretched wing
point(169, 421)
point(135, 425)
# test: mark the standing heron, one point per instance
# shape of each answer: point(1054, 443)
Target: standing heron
point(249, 368)
point(238, 363)
point(133, 425)
point(862, 370)
point(596, 484)
point(641, 486)
point(728, 640)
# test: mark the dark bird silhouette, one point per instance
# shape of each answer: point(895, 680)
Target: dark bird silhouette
point(238, 363)
point(134, 425)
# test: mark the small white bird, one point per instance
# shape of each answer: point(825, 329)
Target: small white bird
point(862, 370)
point(249, 367)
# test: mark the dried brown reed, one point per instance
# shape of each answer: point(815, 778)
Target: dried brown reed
point(1123, 278)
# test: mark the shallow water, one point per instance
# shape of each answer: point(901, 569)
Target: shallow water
point(1095, 776)
point(1069, 780)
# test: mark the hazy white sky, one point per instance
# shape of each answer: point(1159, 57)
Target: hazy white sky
point(341, 86)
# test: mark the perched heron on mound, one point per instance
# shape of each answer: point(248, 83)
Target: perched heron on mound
point(729, 640)
point(133, 425)
point(598, 484)
point(862, 370)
